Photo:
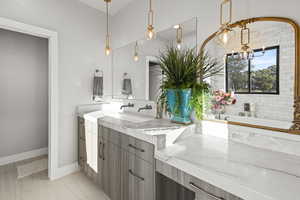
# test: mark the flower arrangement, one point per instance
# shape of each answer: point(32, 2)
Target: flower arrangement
point(221, 99)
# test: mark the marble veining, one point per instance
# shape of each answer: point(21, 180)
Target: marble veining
point(248, 172)
point(223, 160)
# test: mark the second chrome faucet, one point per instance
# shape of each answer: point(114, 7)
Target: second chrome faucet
point(129, 105)
point(146, 107)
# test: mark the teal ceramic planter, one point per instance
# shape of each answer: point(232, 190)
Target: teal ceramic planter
point(179, 105)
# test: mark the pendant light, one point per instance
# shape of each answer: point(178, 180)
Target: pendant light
point(150, 28)
point(246, 53)
point(107, 39)
point(136, 54)
point(179, 36)
point(225, 33)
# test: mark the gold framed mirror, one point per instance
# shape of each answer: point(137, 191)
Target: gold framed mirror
point(294, 125)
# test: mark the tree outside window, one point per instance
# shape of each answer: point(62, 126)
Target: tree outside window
point(259, 75)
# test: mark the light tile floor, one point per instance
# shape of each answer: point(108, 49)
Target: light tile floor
point(37, 187)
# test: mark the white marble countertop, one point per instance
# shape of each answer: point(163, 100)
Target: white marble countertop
point(162, 133)
point(248, 172)
point(159, 132)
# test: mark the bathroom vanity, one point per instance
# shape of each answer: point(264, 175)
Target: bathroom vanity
point(149, 160)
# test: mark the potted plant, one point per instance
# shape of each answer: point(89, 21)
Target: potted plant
point(183, 87)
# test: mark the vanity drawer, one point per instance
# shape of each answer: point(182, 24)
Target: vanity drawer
point(137, 180)
point(205, 191)
point(141, 149)
point(111, 136)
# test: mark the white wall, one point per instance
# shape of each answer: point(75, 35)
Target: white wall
point(24, 93)
point(170, 12)
point(123, 63)
point(81, 32)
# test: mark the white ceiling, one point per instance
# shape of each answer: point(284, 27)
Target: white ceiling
point(115, 6)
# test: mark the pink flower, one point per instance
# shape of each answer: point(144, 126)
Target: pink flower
point(218, 98)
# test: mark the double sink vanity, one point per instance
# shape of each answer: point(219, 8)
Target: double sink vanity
point(142, 158)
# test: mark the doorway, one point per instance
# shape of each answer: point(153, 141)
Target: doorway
point(52, 96)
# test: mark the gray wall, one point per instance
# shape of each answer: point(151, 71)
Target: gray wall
point(81, 36)
point(24, 93)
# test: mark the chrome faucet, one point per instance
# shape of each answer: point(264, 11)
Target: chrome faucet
point(146, 107)
point(129, 105)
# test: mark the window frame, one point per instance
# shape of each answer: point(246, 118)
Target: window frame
point(277, 47)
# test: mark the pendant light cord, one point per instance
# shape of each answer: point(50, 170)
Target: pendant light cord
point(107, 16)
point(150, 14)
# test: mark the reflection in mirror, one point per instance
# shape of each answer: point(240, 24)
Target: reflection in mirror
point(257, 83)
point(138, 61)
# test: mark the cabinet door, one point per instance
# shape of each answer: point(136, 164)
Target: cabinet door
point(137, 178)
point(111, 171)
point(168, 189)
point(81, 143)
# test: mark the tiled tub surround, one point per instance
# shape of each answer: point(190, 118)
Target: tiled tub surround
point(245, 171)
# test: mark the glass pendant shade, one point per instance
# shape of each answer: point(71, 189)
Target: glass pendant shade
point(136, 55)
point(136, 58)
point(225, 36)
point(247, 53)
point(107, 46)
point(107, 51)
point(150, 34)
point(225, 33)
point(179, 37)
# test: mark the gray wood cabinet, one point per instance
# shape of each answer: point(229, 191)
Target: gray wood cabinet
point(121, 173)
point(137, 178)
point(111, 171)
point(81, 143)
point(168, 189)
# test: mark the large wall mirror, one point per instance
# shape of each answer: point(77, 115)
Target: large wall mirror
point(136, 73)
point(260, 59)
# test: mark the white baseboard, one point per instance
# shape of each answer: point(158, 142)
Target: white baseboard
point(23, 156)
point(65, 170)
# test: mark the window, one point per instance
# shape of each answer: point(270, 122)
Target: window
point(259, 75)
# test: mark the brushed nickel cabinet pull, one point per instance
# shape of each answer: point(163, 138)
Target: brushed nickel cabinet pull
point(103, 146)
point(135, 175)
point(136, 148)
point(99, 150)
point(193, 185)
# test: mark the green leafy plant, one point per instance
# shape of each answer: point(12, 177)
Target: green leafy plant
point(187, 69)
